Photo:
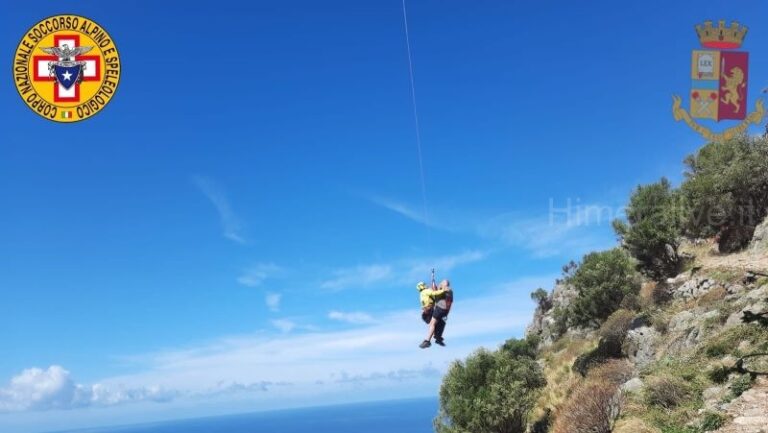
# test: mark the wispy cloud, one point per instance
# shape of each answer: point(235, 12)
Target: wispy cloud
point(359, 276)
point(409, 212)
point(401, 375)
point(355, 318)
point(417, 269)
point(233, 228)
point(284, 325)
point(400, 271)
point(273, 301)
point(255, 275)
point(414, 213)
point(570, 226)
point(573, 228)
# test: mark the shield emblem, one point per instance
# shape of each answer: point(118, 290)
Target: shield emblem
point(719, 77)
point(67, 76)
point(719, 88)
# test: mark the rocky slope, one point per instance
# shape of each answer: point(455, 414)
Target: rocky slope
point(689, 328)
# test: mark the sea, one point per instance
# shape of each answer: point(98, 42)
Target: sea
point(399, 416)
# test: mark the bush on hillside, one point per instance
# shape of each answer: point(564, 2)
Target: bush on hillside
point(614, 329)
point(602, 280)
point(543, 424)
point(726, 190)
point(542, 299)
point(666, 391)
point(489, 392)
point(591, 408)
point(614, 371)
point(651, 234)
point(527, 347)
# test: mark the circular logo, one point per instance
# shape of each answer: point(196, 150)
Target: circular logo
point(66, 68)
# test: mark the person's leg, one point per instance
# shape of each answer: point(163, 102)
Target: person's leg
point(439, 329)
point(439, 315)
point(431, 330)
point(426, 316)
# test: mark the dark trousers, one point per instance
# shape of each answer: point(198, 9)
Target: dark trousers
point(440, 314)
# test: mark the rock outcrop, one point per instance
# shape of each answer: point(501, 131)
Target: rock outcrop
point(759, 241)
point(544, 324)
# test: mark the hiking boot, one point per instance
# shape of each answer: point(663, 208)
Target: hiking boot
point(424, 344)
point(440, 342)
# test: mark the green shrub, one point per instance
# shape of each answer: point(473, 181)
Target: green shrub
point(544, 422)
point(542, 299)
point(602, 280)
point(527, 347)
point(489, 392)
point(741, 384)
point(616, 326)
point(712, 421)
point(725, 190)
point(655, 217)
point(660, 322)
point(562, 319)
point(719, 374)
point(717, 349)
point(589, 360)
point(679, 429)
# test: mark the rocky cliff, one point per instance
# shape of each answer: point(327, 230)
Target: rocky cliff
point(686, 337)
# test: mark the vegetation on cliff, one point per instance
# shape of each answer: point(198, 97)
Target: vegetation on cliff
point(661, 334)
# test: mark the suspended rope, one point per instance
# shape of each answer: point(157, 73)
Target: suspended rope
point(416, 119)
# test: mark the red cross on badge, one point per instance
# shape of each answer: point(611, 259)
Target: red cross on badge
point(42, 72)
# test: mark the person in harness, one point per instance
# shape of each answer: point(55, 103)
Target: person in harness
point(436, 303)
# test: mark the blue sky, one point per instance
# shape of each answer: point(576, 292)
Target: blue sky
point(241, 228)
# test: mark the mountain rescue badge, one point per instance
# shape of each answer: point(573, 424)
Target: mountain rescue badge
point(66, 68)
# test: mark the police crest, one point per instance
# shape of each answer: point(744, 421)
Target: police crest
point(719, 78)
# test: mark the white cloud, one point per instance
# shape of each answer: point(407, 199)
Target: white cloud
point(284, 325)
point(355, 318)
point(419, 269)
point(53, 388)
point(585, 228)
point(295, 361)
point(273, 301)
point(255, 275)
point(401, 208)
point(567, 227)
point(399, 272)
point(303, 355)
point(436, 220)
point(233, 228)
point(360, 276)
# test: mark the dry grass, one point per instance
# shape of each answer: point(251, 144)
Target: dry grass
point(712, 296)
point(647, 294)
point(701, 251)
point(634, 425)
point(558, 360)
point(615, 327)
point(592, 408)
point(666, 391)
point(614, 371)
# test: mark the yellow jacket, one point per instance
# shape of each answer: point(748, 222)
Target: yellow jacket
point(429, 296)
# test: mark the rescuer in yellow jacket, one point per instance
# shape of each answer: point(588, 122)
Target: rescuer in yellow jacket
point(435, 305)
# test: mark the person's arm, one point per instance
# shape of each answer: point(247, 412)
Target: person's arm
point(439, 292)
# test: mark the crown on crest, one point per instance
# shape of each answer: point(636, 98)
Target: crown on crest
point(721, 36)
